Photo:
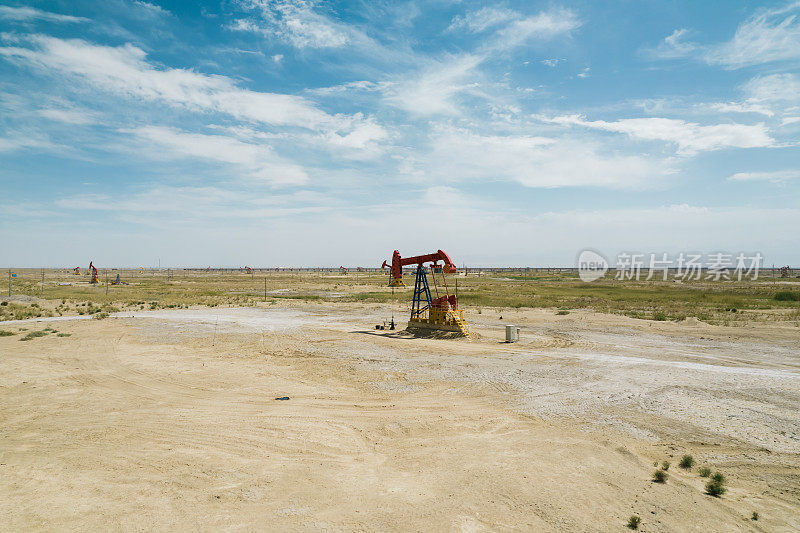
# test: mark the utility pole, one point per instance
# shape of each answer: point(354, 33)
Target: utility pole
point(265, 288)
point(42, 281)
point(106, 285)
point(9, 282)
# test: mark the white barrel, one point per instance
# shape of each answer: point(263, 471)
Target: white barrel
point(510, 333)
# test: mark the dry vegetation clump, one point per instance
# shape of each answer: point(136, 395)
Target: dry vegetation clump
point(660, 476)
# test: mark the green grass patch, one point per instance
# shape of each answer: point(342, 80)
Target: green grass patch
point(34, 334)
point(787, 296)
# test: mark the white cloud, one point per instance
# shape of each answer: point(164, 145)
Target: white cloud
point(766, 37)
point(551, 62)
point(436, 87)
point(773, 88)
point(124, 70)
point(68, 116)
point(24, 14)
point(249, 160)
point(150, 10)
point(26, 139)
point(483, 19)
point(775, 176)
point(434, 90)
point(297, 23)
point(585, 73)
point(673, 46)
point(360, 85)
point(690, 137)
point(769, 36)
point(540, 162)
point(740, 107)
point(545, 25)
point(164, 203)
point(364, 139)
point(766, 95)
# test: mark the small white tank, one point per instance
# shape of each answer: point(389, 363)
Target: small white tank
point(510, 333)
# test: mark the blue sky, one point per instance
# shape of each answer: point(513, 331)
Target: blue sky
point(325, 133)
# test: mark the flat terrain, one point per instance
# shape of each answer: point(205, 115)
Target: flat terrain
point(168, 419)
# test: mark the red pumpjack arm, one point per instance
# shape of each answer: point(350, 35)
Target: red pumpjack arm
point(399, 262)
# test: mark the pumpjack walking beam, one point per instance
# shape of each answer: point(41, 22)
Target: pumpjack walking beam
point(399, 262)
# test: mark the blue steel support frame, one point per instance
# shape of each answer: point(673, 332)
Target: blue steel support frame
point(421, 290)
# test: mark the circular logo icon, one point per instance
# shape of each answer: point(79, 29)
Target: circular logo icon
point(591, 265)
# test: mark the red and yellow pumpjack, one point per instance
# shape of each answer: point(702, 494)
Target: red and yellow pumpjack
point(429, 313)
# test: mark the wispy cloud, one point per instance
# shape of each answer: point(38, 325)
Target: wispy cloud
point(297, 23)
point(433, 91)
point(689, 137)
point(68, 116)
point(533, 161)
point(768, 36)
point(773, 88)
point(26, 14)
point(249, 160)
point(673, 46)
point(774, 176)
point(483, 19)
point(544, 25)
point(124, 70)
point(198, 203)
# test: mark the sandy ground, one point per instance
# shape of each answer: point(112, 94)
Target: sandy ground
point(168, 420)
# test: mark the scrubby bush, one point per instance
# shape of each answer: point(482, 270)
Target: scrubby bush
point(6, 333)
point(633, 522)
point(716, 485)
point(687, 462)
point(33, 335)
point(659, 476)
point(704, 472)
point(754, 516)
point(665, 466)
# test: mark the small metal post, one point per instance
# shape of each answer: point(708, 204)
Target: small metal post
point(9, 282)
point(265, 288)
point(106, 285)
point(42, 281)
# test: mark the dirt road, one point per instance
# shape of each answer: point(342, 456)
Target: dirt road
point(169, 420)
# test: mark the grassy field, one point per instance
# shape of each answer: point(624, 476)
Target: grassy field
point(722, 302)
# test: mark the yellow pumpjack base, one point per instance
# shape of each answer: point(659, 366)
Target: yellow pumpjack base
point(442, 320)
